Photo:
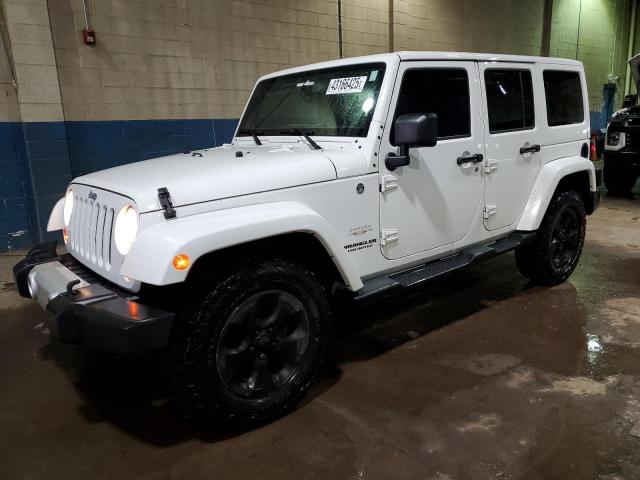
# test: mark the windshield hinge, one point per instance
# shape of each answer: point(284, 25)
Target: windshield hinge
point(389, 182)
point(164, 197)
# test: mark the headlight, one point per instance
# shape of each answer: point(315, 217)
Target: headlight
point(615, 141)
point(126, 229)
point(613, 138)
point(68, 207)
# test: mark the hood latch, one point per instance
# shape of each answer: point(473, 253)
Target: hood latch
point(164, 197)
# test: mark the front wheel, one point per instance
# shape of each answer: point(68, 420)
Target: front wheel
point(554, 253)
point(251, 348)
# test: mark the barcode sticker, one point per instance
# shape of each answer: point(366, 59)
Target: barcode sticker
point(346, 85)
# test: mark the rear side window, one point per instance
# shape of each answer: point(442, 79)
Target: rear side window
point(444, 92)
point(509, 100)
point(564, 97)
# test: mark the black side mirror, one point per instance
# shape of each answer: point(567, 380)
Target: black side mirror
point(412, 130)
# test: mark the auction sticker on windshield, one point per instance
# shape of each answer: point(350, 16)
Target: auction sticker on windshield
point(346, 85)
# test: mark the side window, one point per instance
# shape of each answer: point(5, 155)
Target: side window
point(509, 100)
point(564, 97)
point(444, 92)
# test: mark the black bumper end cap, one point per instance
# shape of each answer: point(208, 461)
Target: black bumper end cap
point(118, 326)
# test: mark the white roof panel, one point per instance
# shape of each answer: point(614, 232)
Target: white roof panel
point(415, 56)
point(484, 57)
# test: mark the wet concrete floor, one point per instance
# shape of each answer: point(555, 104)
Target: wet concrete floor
point(480, 376)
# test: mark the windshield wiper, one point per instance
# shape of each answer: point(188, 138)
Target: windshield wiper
point(297, 131)
point(253, 133)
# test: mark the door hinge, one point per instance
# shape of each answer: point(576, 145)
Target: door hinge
point(491, 166)
point(389, 182)
point(490, 210)
point(389, 236)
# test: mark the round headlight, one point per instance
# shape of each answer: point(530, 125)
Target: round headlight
point(68, 207)
point(126, 229)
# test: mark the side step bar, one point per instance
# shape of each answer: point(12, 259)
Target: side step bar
point(417, 276)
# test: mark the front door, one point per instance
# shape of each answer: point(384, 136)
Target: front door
point(432, 202)
point(513, 140)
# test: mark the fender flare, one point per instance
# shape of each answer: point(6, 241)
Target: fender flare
point(56, 219)
point(545, 185)
point(151, 256)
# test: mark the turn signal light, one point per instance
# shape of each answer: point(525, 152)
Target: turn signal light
point(65, 235)
point(181, 261)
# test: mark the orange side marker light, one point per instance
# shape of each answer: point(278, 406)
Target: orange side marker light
point(181, 261)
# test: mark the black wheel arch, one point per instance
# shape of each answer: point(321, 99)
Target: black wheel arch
point(304, 248)
point(580, 183)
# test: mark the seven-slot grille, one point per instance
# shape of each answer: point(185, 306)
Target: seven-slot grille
point(91, 228)
point(91, 232)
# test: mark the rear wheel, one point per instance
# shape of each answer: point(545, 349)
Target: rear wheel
point(618, 180)
point(251, 348)
point(555, 251)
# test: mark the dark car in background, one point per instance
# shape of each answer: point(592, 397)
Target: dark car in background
point(622, 144)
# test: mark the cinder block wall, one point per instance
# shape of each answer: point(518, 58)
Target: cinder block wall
point(597, 34)
point(501, 26)
point(167, 59)
point(16, 195)
point(173, 75)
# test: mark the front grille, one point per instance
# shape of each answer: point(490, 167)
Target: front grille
point(91, 230)
point(632, 139)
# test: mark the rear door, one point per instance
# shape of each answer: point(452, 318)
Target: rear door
point(513, 139)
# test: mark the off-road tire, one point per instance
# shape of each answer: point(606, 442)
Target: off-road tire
point(535, 260)
point(199, 389)
point(619, 181)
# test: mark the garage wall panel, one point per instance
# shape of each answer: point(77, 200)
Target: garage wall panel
point(500, 26)
point(41, 132)
point(186, 59)
point(596, 33)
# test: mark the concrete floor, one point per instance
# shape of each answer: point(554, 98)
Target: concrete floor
point(481, 376)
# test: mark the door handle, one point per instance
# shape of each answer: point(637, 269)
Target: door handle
point(530, 149)
point(477, 158)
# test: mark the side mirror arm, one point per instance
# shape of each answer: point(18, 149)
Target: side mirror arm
point(394, 161)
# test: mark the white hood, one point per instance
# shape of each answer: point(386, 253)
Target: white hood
point(213, 174)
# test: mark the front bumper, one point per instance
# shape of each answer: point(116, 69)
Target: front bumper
point(87, 310)
point(624, 158)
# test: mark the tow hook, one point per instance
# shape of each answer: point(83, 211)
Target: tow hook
point(69, 293)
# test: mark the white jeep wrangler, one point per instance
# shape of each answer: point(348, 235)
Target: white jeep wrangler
point(367, 175)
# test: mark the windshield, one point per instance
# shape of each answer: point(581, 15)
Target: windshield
point(330, 102)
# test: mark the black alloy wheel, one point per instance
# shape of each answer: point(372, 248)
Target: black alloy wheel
point(565, 238)
point(262, 344)
point(554, 253)
point(248, 346)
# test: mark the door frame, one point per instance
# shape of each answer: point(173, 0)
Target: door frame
point(477, 134)
point(535, 162)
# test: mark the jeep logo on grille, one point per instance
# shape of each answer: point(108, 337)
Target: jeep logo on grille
point(92, 195)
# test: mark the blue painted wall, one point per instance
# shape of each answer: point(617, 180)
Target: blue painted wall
point(17, 215)
point(38, 159)
point(98, 145)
